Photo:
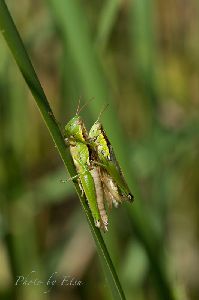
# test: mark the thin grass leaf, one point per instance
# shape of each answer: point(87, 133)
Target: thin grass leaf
point(143, 39)
point(17, 48)
point(106, 22)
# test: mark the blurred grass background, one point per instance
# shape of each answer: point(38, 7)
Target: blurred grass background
point(142, 58)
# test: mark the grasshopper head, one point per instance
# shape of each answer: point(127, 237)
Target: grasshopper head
point(75, 129)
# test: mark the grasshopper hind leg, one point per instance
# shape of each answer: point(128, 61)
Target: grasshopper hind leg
point(95, 172)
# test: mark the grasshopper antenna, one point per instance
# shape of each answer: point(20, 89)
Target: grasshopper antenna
point(78, 106)
point(79, 109)
point(102, 111)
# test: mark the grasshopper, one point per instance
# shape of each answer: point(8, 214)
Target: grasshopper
point(87, 172)
point(114, 184)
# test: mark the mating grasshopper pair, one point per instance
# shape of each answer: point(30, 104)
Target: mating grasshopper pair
point(98, 171)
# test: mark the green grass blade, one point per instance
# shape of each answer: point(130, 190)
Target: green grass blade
point(17, 48)
point(107, 21)
point(144, 54)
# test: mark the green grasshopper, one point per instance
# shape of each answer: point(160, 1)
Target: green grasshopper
point(114, 184)
point(87, 172)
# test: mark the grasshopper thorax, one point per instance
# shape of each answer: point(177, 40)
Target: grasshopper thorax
point(76, 130)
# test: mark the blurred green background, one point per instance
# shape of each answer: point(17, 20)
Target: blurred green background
point(141, 57)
